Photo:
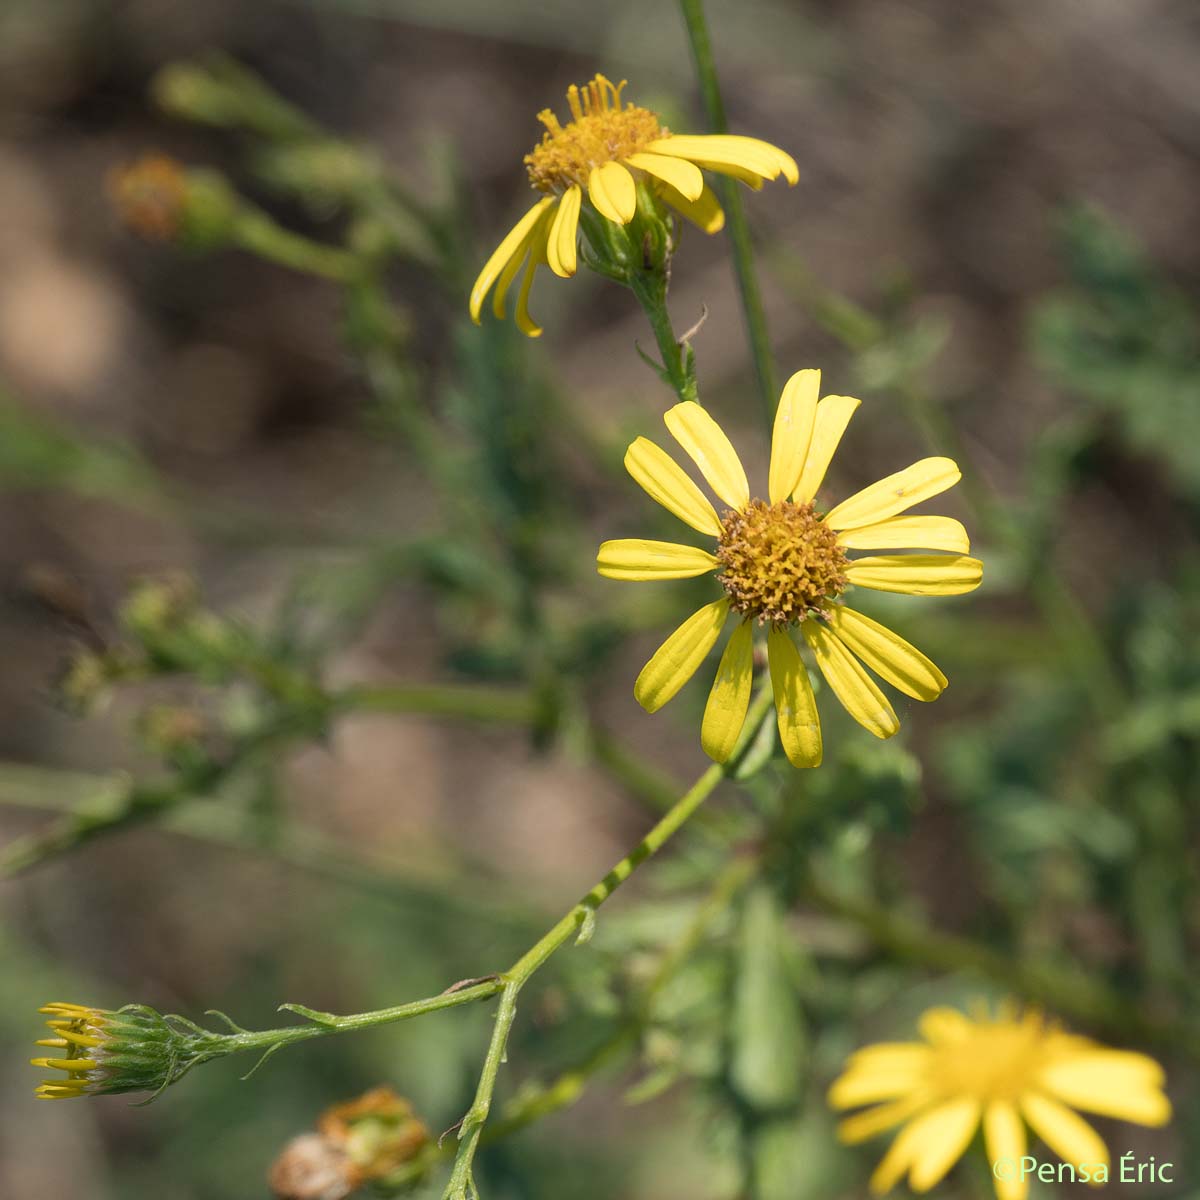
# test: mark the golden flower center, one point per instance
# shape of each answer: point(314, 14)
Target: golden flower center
point(780, 561)
point(601, 131)
point(997, 1061)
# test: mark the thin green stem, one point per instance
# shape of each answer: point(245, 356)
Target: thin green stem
point(322, 1024)
point(735, 213)
point(651, 292)
point(578, 921)
point(472, 702)
point(256, 232)
point(567, 1087)
point(125, 803)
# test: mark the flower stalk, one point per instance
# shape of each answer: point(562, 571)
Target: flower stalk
point(735, 214)
point(578, 922)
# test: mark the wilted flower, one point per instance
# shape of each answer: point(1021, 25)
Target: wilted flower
point(356, 1143)
point(162, 200)
point(1007, 1071)
point(605, 154)
point(783, 563)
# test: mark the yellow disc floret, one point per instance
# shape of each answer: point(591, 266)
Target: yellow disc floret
point(600, 132)
point(780, 562)
point(995, 1058)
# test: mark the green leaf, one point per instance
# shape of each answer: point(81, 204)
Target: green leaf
point(768, 1043)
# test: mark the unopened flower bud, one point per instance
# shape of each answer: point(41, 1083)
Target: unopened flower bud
point(134, 1049)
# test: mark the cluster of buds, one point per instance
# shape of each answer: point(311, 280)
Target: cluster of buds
point(132, 1049)
point(360, 1142)
point(167, 631)
point(177, 633)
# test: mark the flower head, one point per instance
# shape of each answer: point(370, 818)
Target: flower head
point(602, 155)
point(1007, 1071)
point(784, 565)
point(132, 1049)
point(162, 200)
point(151, 196)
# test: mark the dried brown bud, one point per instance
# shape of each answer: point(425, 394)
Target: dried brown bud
point(356, 1142)
point(150, 196)
point(379, 1130)
point(312, 1167)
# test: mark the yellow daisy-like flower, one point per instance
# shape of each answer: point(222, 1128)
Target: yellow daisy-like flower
point(784, 564)
point(1007, 1071)
point(599, 154)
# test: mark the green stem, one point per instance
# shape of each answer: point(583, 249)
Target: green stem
point(735, 213)
point(322, 1024)
point(567, 1087)
point(651, 292)
point(472, 702)
point(578, 921)
point(256, 232)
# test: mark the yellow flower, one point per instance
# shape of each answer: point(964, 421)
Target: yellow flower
point(602, 152)
point(1007, 1071)
point(783, 563)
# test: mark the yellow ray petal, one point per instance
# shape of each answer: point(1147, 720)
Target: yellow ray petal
point(720, 151)
point(864, 1125)
point(1114, 1083)
point(676, 660)
point(909, 533)
point(725, 712)
point(524, 322)
point(536, 256)
point(794, 419)
point(1065, 1132)
point(511, 247)
point(894, 1163)
point(888, 655)
point(895, 493)
point(612, 191)
point(1004, 1139)
point(890, 1057)
point(850, 683)
point(751, 179)
point(917, 574)
point(944, 1026)
point(866, 1086)
point(640, 559)
point(666, 481)
point(940, 1137)
point(705, 211)
point(833, 415)
point(710, 450)
point(795, 706)
point(684, 177)
point(560, 246)
point(500, 294)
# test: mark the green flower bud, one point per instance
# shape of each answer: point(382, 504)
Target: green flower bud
point(133, 1049)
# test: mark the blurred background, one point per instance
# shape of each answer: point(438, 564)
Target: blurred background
point(248, 463)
